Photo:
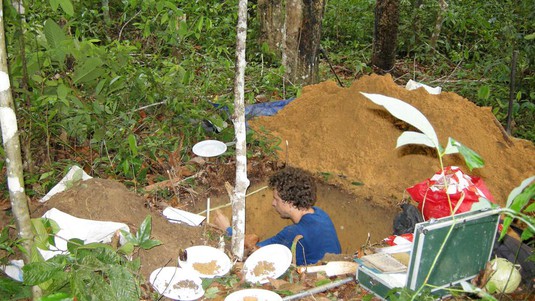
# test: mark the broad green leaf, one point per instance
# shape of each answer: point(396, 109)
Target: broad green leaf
point(88, 71)
point(410, 137)
point(149, 244)
point(100, 86)
point(133, 144)
point(483, 92)
point(526, 234)
point(38, 272)
point(73, 245)
point(127, 248)
point(183, 29)
point(405, 112)
point(54, 4)
point(54, 34)
point(11, 289)
point(516, 191)
point(128, 236)
point(44, 230)
point(123, 283)
point(67, 7)
point(471, 158)
point(199, 24)
point(144, 231)
point(63, 91)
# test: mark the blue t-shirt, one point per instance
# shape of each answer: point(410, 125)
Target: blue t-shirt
point(319, 237)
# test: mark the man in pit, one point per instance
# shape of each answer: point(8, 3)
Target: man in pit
point(294, 196)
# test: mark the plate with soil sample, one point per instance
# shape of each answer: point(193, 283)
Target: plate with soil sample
point(253, 294)
point(205, 261)
point(270, 261)
point(176, 283)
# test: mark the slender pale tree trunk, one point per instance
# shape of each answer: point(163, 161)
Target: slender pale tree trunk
point(385, 35)
point(106, 11)
point(242, 182)
point(438, 24)
point(11, 143)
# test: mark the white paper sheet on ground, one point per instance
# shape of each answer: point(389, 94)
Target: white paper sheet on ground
point(411, 85)
point(174, 215)
point(13, 269)
point(75, 173)
point(73, 227)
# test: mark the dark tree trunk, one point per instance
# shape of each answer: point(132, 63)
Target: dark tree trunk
point(385, 35)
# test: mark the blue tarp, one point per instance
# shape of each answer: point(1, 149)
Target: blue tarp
point(265, 108)
point(259, 109)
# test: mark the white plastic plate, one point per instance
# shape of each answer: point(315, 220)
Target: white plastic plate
point(259, 294)
point(176, 283)
point(209, 148)
point(211, 261)
point(270, 261)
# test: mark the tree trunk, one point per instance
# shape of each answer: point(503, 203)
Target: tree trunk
point(271, 16)
point(385, 35)
point(303, 36)
point(238, 198)
point(292, 28)
point(438, 24)
point(11, 143)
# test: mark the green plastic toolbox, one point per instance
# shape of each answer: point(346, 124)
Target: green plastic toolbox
point(463, 255)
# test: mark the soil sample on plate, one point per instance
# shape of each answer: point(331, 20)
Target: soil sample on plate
point(207, 268)
point(263, 268)
point(186, 284)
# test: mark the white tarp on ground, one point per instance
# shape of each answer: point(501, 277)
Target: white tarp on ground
point(70, 226)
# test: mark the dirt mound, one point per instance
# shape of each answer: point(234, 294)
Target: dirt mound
point(348, 139)
point(107, 200)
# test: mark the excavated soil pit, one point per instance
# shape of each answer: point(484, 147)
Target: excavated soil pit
point(353, 217)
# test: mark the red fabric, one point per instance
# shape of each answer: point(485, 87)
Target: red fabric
point(390, 239)
point(432, 197)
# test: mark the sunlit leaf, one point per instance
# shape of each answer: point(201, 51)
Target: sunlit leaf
point(410, 137)
point(516, 191)
point(67, 7)
point(133, 144)
point(471, 158)
point(405, 112)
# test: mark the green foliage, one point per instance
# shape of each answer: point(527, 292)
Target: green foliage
point(519, 207)
point(141, 239)
point(92, 271)
point(13, 290)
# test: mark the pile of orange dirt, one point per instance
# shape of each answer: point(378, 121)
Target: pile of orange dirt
point(339, 133)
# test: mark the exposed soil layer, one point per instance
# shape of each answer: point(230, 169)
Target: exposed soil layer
point(337, 131)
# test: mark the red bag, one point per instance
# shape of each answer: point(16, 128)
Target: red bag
point(432, 195)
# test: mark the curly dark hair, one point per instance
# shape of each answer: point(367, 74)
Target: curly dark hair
point(295, 186)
